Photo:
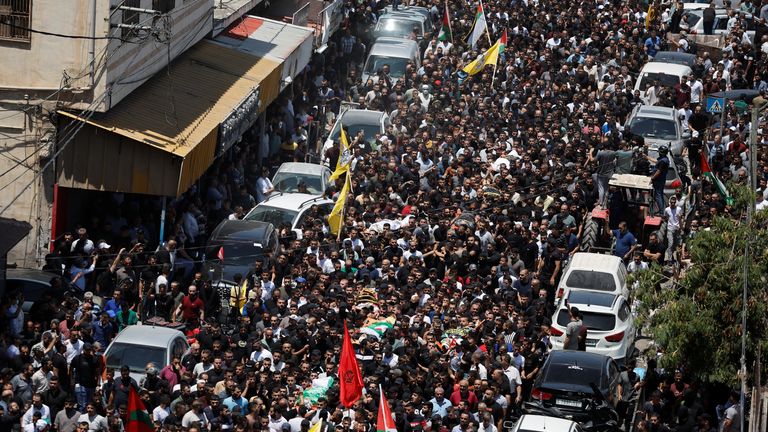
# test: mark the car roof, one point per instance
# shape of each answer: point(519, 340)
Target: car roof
point(578, 358)
point(30, 274)
point(530, 422)
point(649, 111)
point(665, 68)
point(148, 335)
point(594, 261)
point(394, 42)
point(358, 116)
point(301, 168)
point(293, 201)
point(242, 230)
point(591, 298)
point(410, 16)
point(401, 50)
point(674, 57)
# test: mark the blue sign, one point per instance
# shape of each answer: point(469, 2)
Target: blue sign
point(715, 105)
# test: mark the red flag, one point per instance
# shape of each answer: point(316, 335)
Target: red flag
point(220, 254)
point(384, 423)
point(351, 381)
point(138, 418)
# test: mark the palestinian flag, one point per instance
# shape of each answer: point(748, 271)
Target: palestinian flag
point(138, 418)
point(377, 326)
point(479, 28)
point(707, 172)
point(445, 29)
point(384, 423)
point(503, 46)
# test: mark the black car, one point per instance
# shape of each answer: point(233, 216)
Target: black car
point(565, 382)
point(234, 246)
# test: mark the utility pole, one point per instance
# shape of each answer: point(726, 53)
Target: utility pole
point(758, 104)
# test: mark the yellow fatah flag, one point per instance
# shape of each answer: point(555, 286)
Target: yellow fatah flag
point(490, 57)
point(336, 218)
point(317, 427)
point(650, 17)
point(345, 156)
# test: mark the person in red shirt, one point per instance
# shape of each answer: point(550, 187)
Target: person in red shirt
point(191, 308)
point(463, 393)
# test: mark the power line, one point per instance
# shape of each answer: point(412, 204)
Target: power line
point(60, 35)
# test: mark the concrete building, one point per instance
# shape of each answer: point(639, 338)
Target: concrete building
point(83, 84)
point(85, 55)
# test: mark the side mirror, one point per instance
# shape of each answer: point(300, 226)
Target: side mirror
point(686, 135)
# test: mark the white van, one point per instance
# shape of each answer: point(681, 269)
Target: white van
point(668, 75)
point(594, 272)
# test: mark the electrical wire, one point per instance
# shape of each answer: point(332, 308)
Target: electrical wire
point(60, 35)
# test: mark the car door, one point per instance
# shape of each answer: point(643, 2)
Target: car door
point(613, 381)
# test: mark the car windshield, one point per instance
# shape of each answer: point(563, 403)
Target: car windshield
point(273, 215)
point(236, 252)
point(665, 80)
point(397, 27)
point(369, 130)
point(135, 356)
point(571, 374)
point(593, 280)
point(289, 183)
point(593, 320)
point(692, 17)
point(396, 65)
point(653, 128)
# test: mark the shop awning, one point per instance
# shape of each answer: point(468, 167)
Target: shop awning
point(287, 43)
point(162, 137)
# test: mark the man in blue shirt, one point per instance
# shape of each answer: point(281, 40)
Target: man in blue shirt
point(625, 241)
point(652, 44)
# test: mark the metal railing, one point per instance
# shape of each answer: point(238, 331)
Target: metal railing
point(16, 20)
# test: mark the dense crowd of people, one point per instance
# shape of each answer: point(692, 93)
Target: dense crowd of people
point(478, 193)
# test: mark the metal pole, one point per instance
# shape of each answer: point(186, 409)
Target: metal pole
point(162, 224)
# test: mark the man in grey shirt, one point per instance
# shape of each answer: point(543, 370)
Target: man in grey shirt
point(572, 330)
point(606, 165)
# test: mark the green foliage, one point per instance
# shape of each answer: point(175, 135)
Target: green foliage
point(696, 321)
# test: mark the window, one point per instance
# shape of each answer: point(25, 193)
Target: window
point(163, 6)
point(15, 20)
point(130, 18)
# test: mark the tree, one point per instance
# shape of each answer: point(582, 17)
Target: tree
point(696, 321)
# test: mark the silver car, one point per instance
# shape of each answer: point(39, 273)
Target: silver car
point(400, 25)
point(393, 52)
point(138, 345)
point(658, 126)
point(291, 175)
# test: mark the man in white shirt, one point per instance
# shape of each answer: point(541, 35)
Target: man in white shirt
point(264, 186)
point(697, 90)
point(37, 407)
point(672, 215)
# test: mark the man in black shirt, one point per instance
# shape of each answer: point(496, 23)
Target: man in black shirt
point(123, 384)
point(85, 370)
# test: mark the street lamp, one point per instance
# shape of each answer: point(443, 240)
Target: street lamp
point(758, 104)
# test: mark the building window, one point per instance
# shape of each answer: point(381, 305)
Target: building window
point(130, 18)
point(163, 6)
point(15, 20)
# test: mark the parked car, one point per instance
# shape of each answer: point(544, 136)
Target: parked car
point(658, 126)
point(610, 324)
point(593, 271)
point(291, 209)
point(675, 57)
point(291, 176)
point(391, 51)
point(400, 25)
point(138, 345)
point(694, 18)
point(566, 378)
point(355, 120)
point(667, 74)
point(429, 25)
point(234, 246)
point(540, 423)
point(35, 284)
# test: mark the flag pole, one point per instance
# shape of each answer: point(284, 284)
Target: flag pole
point(487, 30)
point(448, 14)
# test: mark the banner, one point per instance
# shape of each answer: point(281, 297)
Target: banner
point(331, 20)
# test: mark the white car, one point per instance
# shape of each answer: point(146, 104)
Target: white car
point(593, 271)
point(291, 175)
point(539, 423)
point(290, 209)
point(609, 320)
point(355, 120)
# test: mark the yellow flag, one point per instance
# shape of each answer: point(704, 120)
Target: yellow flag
point(336, 218)
point(650, 16)
point(317, 427)
point(345, 156)
point(489, 57)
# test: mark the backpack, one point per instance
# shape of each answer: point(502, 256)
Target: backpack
point(582, 337)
